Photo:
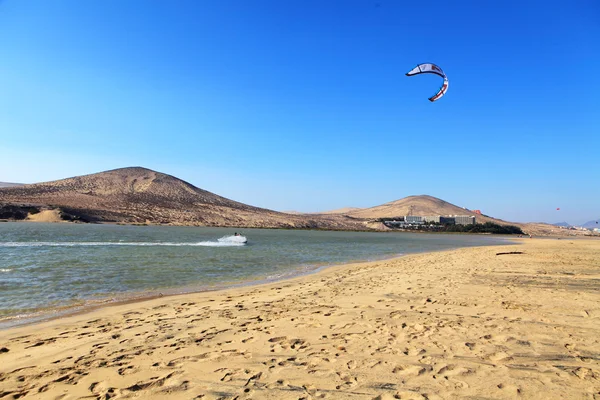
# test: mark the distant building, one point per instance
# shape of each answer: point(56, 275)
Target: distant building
point(412, 220)
point(394, 224)
point(464, 220)
point(478, 212)
point(447, 220)
point(451, 220)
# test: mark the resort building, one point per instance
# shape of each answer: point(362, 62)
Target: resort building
point(416, 220)
point(453, 219)
point(464, 220)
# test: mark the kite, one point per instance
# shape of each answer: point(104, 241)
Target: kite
point(431, 69)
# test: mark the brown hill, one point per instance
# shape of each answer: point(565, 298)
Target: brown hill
point(140, 195)
point(412, 205)
point(345, 210)
point(425, 205)
point(9, 184)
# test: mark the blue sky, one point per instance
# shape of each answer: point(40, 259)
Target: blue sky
point(304, 105)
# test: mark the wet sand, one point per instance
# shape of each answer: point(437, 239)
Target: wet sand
point(468, 323)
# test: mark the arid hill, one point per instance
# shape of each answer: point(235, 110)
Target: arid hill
point(345, 210)
point(140, 195)
point(424, 205)
point(412, 205)
point(9, 184)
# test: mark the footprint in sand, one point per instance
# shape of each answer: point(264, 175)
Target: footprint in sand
point(349, 380)
point(586, 374)
point(103, 391)
point(413, 351)
point(283, 343)
point(453, 370)
point(499, 356)
point(510, 388)
point(414, 370)
point(404, 395)
point(127, 370)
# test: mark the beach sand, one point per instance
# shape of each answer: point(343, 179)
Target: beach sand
point(467, 323)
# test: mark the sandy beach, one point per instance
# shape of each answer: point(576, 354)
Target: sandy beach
point(503, 322)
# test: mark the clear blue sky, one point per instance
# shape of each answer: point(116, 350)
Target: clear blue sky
point(303, 105)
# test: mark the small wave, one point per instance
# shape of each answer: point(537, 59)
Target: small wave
point(5, 269)
point(84, 244)
point(220, 244)
point(233, 239)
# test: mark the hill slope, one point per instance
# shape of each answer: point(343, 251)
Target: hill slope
point(140, 195)
point(428, 205)
point(414, 205)
point(9, 184)
point(595, 223)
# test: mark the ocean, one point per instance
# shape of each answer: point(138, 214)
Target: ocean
point(47, 270)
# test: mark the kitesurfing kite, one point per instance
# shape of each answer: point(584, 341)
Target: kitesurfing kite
point(431, 69)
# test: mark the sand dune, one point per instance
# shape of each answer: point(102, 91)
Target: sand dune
point(46, 216)
point(507, 322)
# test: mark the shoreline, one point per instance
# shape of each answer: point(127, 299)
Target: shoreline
point(447, 324)
point(567, 234)
point(89, 305)
point(42, 316)
point(140, 297)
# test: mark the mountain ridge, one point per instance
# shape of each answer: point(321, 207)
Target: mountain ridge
point(10, 184)
point(595, 223)
point(140, 195)
point(137, 195)
point(418, 205)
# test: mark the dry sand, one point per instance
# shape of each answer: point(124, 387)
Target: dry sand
point(46, 216)
point(459, 324)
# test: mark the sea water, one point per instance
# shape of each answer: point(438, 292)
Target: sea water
point(49, 269)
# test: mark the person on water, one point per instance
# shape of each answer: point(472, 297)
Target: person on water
point(236, 234)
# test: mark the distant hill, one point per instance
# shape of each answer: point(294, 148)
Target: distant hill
point(413, 205)
point(137, 195)
point(595, 223)
point(345, 210)
point(140, 195)
point(425, 205)
point(8, 184)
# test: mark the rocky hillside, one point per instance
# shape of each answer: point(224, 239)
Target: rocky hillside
point(424, 205)
point(140, 195)
point(412, 205)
